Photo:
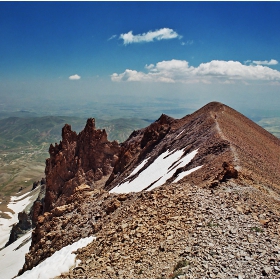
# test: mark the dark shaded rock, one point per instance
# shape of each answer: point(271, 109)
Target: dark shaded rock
point(43, 181)
point(78, 159)
point(24, 224)
point(229, 172)
point(35, 185)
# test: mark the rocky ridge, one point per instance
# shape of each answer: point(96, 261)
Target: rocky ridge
point(220, 133)
point(77, 159)
point(220, 221)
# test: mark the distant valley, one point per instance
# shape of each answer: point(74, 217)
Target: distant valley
point(24, 144)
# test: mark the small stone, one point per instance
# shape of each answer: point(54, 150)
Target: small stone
point(124, 225)
point(185, 268)
point(215, 270)
point(109, 269)
point(240, 276)
point(242, 253)
point(250, 240)
point(276, 268)
point(205, 265)
point(188, 249)
point(161, 246)
point(239, 209)
point(264, 222)
point(126, 237)
point(266, 270)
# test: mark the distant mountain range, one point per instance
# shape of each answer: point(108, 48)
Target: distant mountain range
point(18, 131)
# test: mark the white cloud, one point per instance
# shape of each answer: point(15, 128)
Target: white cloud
point(173, 71)
point(112, 37)
point(75, 77)
point(265, 62)
point(248, 61)
point(160, 34)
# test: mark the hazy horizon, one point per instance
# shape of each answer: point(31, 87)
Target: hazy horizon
point(129, 59)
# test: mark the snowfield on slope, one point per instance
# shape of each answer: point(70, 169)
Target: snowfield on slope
point(12, 258)
point(61, 261)
point(158, 172)
point(17, 204)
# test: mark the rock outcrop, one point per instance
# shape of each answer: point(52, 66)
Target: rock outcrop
point(23, 225)
point(139, 144)
point(79, 158)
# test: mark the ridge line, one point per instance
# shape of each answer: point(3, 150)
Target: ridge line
point(236, 160)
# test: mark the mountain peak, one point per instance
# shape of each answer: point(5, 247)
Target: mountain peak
point(164, 119)
point(98, 187)
point(223, 138)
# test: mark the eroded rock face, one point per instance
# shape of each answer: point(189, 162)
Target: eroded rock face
point(24, 224)
point(139, 144)
point(79, 158)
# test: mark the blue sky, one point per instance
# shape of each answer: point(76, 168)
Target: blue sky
point(193, 52)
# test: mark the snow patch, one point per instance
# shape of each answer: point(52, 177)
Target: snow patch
point(12, 259)
point(139, 167)
point(60, 262)
point(17, 204)
point(157, 173)
point(185, 173)
point(16, 198)
point(179, 133)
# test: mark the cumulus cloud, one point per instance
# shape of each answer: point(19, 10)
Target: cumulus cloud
point(160, 34)
point(75, 77)
point(173, 71)
point(265, 62)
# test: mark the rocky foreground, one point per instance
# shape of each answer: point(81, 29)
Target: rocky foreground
point(186, 232)
point(174, 231)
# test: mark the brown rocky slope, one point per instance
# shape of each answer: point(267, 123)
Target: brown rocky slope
point(220, 221)
point(220, 133)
